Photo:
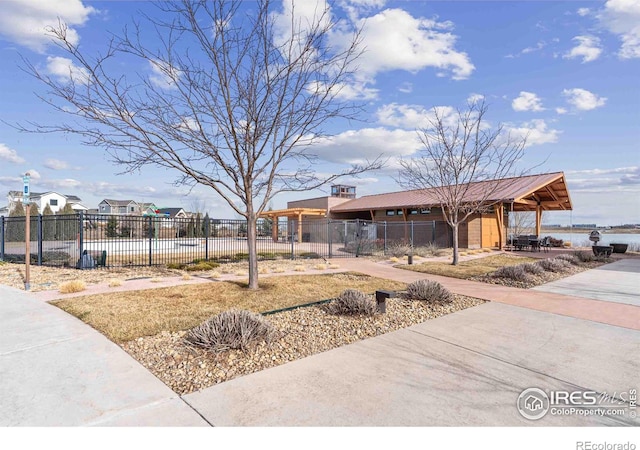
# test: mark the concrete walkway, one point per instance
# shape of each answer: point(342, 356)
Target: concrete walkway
point(56, 370)
point(567, 302)
point(467, 368)
point(617, 282)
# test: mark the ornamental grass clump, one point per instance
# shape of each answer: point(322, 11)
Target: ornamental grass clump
point(430, 291)
point(532, 268)
point(73, 286)
point(583, 257)
point(554, 265)
point(515, 273)
point(571, 259)
point(351, 303)
point(232, 329)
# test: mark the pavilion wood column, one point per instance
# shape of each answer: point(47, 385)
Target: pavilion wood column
point(500, 219)
point(274, 228)
point(299, 228)
point(538, 219)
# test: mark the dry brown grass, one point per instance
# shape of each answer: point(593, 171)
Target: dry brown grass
point(72, 286)
point(186, 276)
point(156, 280)
point(333, 266)
point(468, 269)
point(123, 316)
point(320, 267)
point(299, 268)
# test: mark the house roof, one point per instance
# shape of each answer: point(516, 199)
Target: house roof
point(525, 192)
point(35, 195)
point(170, 211)
point(117, 202)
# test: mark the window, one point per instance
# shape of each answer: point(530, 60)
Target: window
point(391, 212)
point(413, 212)
point(425, 210)
point(53, 202)
point(132, 209)
point(399, 212)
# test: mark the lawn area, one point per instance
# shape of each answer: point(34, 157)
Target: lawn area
point(468, 269)
point(124, 316)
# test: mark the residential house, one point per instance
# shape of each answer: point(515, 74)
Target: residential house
point(55, 200)
point(120, 207)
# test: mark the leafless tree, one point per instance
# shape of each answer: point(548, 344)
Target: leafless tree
point(458, 152)
point(235, 103)
point(522, 222)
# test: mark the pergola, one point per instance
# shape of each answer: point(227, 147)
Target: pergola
point(291, 213)
point(534, 194)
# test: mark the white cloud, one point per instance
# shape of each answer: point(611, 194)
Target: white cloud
point(406, 88)
point(412, 116)
point(622, 17)
point(163, 75)
point(55, 184)
point(347, 91)
point(561, 110)
point(25, 21)
point(357, 146)
point(10, 155)
point(588, 49)
point(536, 132)
point(582, 99)
point(583, 12)
point(395, 40)
point(65, 70)
point(34, 174)
point(55, 164)
point(527, 101)
point(475, 98)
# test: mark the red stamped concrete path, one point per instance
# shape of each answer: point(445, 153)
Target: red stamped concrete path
point(618, 314)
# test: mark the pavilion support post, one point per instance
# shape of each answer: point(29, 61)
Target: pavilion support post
point(299, 228)
point(538, 219)
point(500, 219)
point(274, 228)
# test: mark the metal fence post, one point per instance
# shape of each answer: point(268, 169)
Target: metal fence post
point(81, 232)
point(433, 231)
point(412, 236)
point(329, 238)
point(206, 238)
point(2, 238)
point(293, 250)
point(39, 239)
point(384, 244)
point(150, 236)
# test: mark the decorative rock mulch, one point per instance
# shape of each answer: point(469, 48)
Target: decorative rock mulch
point(301, 332)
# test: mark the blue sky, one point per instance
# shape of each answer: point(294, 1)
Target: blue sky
point(565, 73)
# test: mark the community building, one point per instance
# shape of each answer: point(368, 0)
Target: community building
point(534, 193)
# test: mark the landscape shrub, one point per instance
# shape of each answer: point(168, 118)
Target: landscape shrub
point(583, 257)
point(554, 265)
point(72, 286)
point(176, 266)
point(532, 268)
point(232, 329)
point(516, 273)
point(202, 266)
point(429, 250)
point(309, 255)
point(571, 259)
point(398, 249)
point(556, 242)
point(430, 291)
point(352, 302)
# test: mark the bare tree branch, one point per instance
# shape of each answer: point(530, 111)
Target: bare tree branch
point(232, 103)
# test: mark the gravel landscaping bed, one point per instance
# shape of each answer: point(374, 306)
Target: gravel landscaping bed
point(537, 280)
point(301, 332)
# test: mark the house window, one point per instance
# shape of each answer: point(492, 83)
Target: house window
point(53, 202)
point(132, 209)
point(391, 212)
point(413, 212)
point(399, 212)
point(425, 210)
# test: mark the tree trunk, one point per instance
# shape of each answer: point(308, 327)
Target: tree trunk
point(253, 254)
point(455, 244)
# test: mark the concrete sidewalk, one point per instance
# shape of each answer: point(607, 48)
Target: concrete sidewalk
point(464, 369)
point(56, 370)
point(567, 302)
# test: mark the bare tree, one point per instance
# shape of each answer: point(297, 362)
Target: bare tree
point(457, 153)
point(522, 222)
point(235, 101)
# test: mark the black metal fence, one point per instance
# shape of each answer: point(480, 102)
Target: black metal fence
point(123, 240)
